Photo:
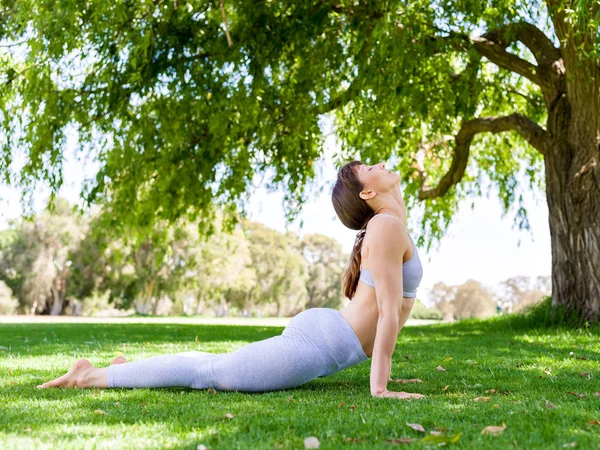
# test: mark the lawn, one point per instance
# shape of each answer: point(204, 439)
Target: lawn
point(541, 384)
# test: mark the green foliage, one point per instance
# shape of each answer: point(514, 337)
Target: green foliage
point(8, 303)
point(419, 311)
point(180, 122)
point(544, 314)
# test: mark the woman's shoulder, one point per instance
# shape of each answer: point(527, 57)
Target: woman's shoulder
point(384, 231)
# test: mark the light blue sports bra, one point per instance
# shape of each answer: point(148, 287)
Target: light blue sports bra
point(412, 272)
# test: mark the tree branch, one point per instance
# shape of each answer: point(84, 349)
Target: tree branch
point(532, 37)
point(499, 56)
point(494, 43)
point(528, 129)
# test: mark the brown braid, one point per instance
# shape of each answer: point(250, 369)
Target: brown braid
point(355, 214)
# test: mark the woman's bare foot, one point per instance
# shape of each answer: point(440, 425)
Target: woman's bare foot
point(76, 377)
point(118, 360)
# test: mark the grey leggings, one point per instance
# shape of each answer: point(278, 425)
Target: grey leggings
point(316, 343)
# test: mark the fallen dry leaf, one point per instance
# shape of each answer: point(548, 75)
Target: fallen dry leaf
point(435, 433)
point(576, 394)
point(594, 422)
point(311, 442)
point(412, 380)
point(341, 404)
point(99, 411)
point(482, 399)
point(416, 426)
point(496, 405)
point(351, 439)
point(549, 405)
point(353, 407)
point(401, 440)
point(212, 391)
point(445, 388)
point(440, 369)
point(229, 415)
point(491, 391)
point(495, 430)
point(584, 374)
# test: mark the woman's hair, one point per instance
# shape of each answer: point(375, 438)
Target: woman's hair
point(354, 213)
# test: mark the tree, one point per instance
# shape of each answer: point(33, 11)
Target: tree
point(36, 260)
point(517, 293)
point(326, 263)
point(442, 296)
point(281, 270)
point(184, 103)
point(472, 299)
point(8, 303)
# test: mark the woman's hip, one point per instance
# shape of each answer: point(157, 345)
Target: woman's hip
point(330, 334)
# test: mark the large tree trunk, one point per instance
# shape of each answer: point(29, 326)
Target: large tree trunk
point(573, 188)
point(575, 236)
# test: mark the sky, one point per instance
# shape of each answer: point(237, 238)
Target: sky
point(479, 244)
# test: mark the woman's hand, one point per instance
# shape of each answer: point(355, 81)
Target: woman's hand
point(402, 395)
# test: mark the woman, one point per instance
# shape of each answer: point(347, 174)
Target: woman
point(319, 341)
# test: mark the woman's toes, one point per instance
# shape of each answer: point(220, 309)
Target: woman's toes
point(118, 360)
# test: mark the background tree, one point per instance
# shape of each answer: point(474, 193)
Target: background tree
point(517, 293)
point(442, 297)
point(326, 263)
point(8, 303)
point(473, 299)
point(36, 260)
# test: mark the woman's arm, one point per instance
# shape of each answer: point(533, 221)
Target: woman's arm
point(387, 246)
point(407, 304)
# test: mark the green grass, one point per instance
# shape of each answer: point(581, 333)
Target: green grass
point(528, 367)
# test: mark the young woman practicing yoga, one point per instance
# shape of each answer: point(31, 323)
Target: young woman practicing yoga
point(319, 341)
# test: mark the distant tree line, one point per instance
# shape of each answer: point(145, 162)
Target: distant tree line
point(474, 299)
point(64, 262)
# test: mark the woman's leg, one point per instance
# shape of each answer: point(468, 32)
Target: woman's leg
point(279, 362)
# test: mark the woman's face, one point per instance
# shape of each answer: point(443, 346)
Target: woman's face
point(376, 177)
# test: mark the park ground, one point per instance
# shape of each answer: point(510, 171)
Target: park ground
point(538, 385)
